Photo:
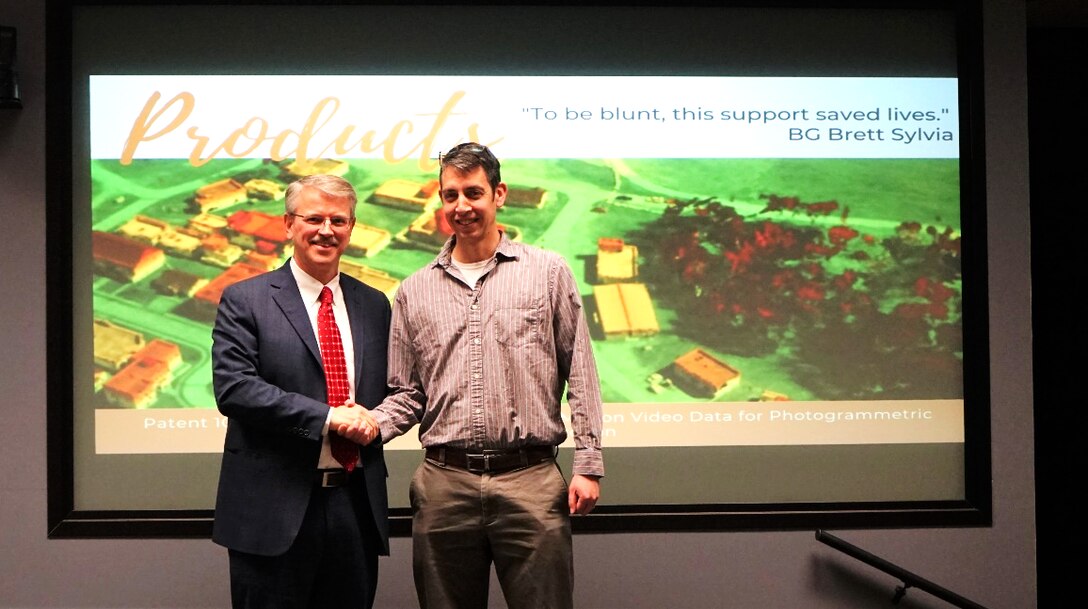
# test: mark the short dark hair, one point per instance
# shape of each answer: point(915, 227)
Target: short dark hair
point(467, 157)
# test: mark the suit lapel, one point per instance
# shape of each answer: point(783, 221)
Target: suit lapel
point(286, 295)
point(356, 318)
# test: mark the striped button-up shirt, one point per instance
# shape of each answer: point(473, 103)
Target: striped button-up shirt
point(485, 367)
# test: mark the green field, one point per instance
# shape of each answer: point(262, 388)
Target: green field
point(798, 308)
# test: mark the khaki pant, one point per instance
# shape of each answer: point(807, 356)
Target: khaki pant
point(463, 522)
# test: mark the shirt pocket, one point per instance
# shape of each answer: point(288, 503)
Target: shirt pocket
point(517, 326)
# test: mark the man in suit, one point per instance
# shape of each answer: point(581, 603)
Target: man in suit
point(303, 527)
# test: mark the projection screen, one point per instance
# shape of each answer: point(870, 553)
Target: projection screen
point(773, 214)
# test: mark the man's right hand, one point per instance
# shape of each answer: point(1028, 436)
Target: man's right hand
point(354, 422)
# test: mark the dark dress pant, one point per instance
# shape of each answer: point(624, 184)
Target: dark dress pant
point(332, 564)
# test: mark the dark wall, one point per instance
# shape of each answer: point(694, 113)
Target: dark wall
point(1057, 67)
point(994, 566)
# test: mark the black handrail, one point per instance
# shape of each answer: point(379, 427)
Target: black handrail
point(909, 579)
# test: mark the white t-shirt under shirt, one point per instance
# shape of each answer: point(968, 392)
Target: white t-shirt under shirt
point(472, 271)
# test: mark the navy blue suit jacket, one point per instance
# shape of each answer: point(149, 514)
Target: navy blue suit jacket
point(269, 382)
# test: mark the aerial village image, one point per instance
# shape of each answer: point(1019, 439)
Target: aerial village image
point(728, 280)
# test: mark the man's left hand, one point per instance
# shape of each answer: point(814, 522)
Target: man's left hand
point(583, 494)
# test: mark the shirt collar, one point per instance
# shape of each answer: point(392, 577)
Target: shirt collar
point(310, 288)
point(506, 250)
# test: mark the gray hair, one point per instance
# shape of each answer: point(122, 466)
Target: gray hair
point(332, 186)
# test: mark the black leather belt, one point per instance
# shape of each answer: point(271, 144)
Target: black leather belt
point(490, 461)
point(329, 478)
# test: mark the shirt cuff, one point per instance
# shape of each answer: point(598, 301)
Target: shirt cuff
point(385, 426)
point(588, 462)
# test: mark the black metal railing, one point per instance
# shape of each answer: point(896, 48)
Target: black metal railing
point(907, 578)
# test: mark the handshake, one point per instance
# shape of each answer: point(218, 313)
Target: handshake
point(354, 422)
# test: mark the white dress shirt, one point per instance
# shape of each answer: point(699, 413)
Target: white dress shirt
point(310, 290)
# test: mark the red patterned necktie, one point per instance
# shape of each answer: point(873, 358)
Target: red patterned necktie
point(336, 376)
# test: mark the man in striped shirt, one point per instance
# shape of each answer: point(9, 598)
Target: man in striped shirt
point(484, 340)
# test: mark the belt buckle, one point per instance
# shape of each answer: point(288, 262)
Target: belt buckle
point(484, 458)
point(333, 478)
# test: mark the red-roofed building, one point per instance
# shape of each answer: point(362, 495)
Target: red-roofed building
point(267, 262)
point(701, 374)
point(610, 244)
point(204, 304)
point(124, 259)
point(257, 230)
point(137, 384)
point(163, 351)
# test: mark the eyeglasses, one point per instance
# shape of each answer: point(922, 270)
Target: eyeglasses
point(467, 147)
point(317, 221)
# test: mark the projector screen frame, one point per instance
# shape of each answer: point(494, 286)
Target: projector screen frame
point(66, 520)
